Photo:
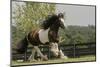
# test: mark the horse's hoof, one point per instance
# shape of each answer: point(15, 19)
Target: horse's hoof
point(32, 60)
point(64, 57)
point(45, 58)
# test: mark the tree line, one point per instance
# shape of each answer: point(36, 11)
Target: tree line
point(29, 15)
point(78, 34)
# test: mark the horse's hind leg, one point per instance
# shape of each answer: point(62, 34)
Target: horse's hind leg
point(31, 58)
point(40, 53)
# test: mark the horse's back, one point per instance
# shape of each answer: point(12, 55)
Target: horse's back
point(33, 37)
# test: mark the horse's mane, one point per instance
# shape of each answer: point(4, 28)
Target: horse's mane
point(49, 21)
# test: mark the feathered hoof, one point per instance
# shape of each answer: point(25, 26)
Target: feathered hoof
point(32, 60)
point(64, 57)
point(45, 58)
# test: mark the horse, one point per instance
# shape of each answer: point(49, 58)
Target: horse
point(47, 34)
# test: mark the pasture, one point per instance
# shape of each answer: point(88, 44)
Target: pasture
point(85, 52)
point(89, 58)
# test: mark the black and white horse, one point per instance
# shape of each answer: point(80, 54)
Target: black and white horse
point(47, 34)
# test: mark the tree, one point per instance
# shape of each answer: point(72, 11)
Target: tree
point(78, 34)
point(28, 16)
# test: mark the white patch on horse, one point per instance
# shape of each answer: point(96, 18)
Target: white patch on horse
point(62, 20)
point(62, 56)
point(54, 48)
point(38, 51)
point(43, 36)
point(31, 58)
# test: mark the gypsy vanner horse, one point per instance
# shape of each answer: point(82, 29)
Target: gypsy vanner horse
point(47, 34)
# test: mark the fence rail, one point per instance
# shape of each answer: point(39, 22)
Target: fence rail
point(70, 50)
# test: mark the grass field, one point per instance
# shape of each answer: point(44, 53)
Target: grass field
point(69, 60)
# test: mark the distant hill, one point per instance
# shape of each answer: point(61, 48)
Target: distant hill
point(78, 34)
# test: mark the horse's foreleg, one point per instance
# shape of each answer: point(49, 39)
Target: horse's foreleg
point(40, 53)
point(31, 58)
point(62, 55)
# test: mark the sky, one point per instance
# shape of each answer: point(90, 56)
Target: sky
point(74, 14)
point(77, 15)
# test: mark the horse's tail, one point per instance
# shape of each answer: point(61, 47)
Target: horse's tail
point(22, 45)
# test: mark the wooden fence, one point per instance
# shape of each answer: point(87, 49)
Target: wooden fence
point(70, 50)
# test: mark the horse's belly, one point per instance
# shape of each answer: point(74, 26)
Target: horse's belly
point(43, 36)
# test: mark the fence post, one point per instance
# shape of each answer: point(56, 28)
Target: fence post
point(25, 56)
point(49, 52)
point(74, 50)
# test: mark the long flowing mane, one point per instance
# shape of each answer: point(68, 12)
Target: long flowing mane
point(48, 34)
point(49, 21)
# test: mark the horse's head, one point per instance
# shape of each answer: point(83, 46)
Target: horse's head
point(58, 21)
point(54, 20)
point(61, 20)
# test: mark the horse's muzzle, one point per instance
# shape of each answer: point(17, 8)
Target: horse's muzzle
point(62, 26)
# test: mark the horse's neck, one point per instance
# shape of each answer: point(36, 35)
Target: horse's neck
point(54, 29)
point(53, 34)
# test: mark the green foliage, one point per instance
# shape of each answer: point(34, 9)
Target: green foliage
point(28, 16)
point(78, 34)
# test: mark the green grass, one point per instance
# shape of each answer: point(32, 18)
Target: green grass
point(69, 60)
